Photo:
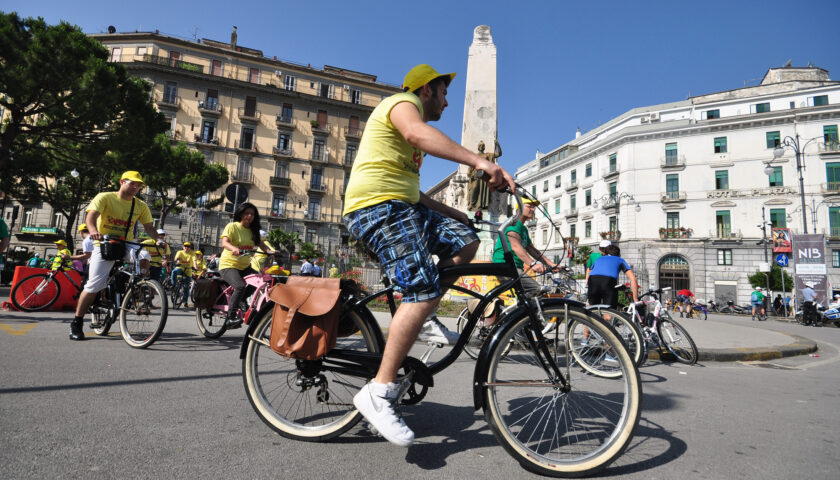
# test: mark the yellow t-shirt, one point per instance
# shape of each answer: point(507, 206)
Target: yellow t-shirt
point(57, 260)
point(387, 167)
point(258, 263)
point(241, 237)
point(113, 214)
point(157, 253)
point(185, 261)
point(200, 264)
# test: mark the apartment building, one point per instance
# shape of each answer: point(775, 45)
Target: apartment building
point(684, 186)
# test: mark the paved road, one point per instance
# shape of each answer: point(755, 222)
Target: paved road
point(99, 409)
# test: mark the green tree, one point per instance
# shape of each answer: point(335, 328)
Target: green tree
point(309, 250)
point(582, 254)
point(759, 279)
point(180, 177)
point(286, 240)
point(62, 95)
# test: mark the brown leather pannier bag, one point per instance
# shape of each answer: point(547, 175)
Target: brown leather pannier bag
point(304, 324)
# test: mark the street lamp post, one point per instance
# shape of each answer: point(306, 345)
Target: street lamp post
point(612, 199)
point(763, 226)
point(794, 144)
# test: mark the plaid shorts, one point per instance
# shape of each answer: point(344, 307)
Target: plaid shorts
point(404, 237)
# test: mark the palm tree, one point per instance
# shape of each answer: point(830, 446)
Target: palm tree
point(287, 240)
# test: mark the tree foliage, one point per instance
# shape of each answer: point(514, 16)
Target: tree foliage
point(759, 279)
point(309, 250)
point(582, 254)
point(286, 240)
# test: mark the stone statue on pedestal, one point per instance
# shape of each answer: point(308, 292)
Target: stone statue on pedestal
point(480, 196)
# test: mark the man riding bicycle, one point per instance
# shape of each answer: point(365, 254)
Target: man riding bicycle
point(684, 299)
point(113, 214)
point(386, 211)
point(184, 265)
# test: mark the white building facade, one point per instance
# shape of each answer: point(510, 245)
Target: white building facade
point(697, 172)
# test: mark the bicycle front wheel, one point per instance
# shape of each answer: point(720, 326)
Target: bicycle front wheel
point(143, 314)
point(554, 427)
point(478, 335)
point(35, 293)
point(677, 341)
point(306, 400)
point(627, 330)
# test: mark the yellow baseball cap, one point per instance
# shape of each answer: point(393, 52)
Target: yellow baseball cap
point(198, 252)
point(421, 75)
point(60, 242)
point(531, 201)
point(132, 175)
point(82, 226)
point(188, 244)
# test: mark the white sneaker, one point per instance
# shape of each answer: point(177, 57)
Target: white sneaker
point(434, 331)
point(375, 402)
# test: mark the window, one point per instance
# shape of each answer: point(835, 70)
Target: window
point(557, 205)
point(247, 140)
point(317, 179)
point(326, 90)
point(777, 218)
point(720, 144)
point(254, 75)
point(284, 141)
point(28, 217)
point(322, 119)
point(545, 185)
point(350, 154)
point(356, 96)
point(761, 107)
point(587, 229)
point(286, 112)
point(723, 224)
point(141, 51)
point(672, 186)
point(243, 169)
point(773, 139)
point(835, 258)
point(211, 100)
point(588, 170)
point(545, 237)
point(319, 149)
point(574, 177)
point(814, 101)
point(613, 224)
point(722, 180)
point(281, 169)
point(613, 163)
point(613, 189)
point(573, 201)
point(711, 114)
point(573, 231)
point(208, 131)
point(353, 126)
point(724, 256)
point(250, 106)
point(834, 221)
point(587, 198)
point(534, 191)
point(671, 155)
point(115, 54)
point(290, 83)
point(170, 92)
point(776, 177)
point(216, 68)
point(57, 220)
point(830, 136)
point(314, 209)
point(672, 220)
point(174, 58)
point(278, 204)
point(832, 176)
point(557, 181)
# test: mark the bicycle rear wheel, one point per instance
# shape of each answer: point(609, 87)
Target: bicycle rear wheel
point(677, 341)
point(176, 296)
point(143, 314)
point(306, 400)
point(627, 330)
point(211, 322)
point(553, 429)
point(35, 293)
point(102, 313)
point(699, 312)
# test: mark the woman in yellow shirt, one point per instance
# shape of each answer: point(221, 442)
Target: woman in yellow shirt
point(238, 240)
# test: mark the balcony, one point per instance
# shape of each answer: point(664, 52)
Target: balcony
point(830, 147)
point(245, 146)
point(210, 107)
point(833, 233)
point(206, 141)
point(313, 217)
point(276, 213)
point(674, 233)
point(673, 197)
point(283, 120)
point(282, 152)
point(279, 182)
point(672, 162)
point(354, 133)
point(726, 234)
point(320, 157)
point(317, 188)
point(169, 62)
point(830, 188)
point(348, 162)
point(252, 116)
point(242, 177)
point(609, 173)
point(572, 186)
point(572, 212)
point(318, 127)
point(612, 235)
point(172, 102)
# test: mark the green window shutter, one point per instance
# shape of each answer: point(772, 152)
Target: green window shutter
point(777, 218)
point(773, 139)
point(720, 145)
point(832, 176)
point(830, 134)
point(722, 180)
point(834, 221)
point(776, 177)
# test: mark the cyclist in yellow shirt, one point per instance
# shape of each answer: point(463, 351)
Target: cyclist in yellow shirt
point(62, 259)
point(260, 258)
point(199, 265)
point(184, 265)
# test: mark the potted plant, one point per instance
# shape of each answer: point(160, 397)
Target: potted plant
point(315, 123)
point(662, 232)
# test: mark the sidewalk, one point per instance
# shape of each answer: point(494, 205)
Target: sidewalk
point(721, 338)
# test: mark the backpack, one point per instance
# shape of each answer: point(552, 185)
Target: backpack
point(754, 297)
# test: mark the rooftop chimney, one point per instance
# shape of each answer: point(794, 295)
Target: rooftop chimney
point(233, 39)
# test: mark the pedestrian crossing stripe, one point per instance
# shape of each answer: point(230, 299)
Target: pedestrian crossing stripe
point(17, 329)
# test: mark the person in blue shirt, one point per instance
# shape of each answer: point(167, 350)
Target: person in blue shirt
point(604, 277)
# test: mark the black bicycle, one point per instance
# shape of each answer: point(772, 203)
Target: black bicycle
point(554, 416)
point(139, 303)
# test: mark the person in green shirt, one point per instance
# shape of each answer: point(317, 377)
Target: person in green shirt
point(595, 256)
point(523, 250)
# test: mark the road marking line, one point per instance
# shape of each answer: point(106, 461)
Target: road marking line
point(17, 329)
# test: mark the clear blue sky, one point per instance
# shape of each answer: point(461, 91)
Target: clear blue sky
point(561, 65)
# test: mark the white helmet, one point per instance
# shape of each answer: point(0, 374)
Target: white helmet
point(809, 284)
point(262, 233)
point(161, 231)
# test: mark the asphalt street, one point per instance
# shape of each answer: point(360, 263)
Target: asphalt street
point(100, 409)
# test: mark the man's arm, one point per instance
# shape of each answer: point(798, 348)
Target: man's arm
point(150, 229)
point(406, 118)
point(516, 245)
point(90, 220)
point(539, 256)
point(634, 285)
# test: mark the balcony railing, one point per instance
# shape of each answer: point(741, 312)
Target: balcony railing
point(829, 147)
point(282, 152)
point(313, 217)
point(170, 101)
point(673, 196)
point(353, 132)
point(672, 161)
point(573, 185)
point(242, 177)
point(249, 146)
point(318, 127)
point(609, 172)
point(248, 115)
point(726, 233)
point(321, 157)
point(272, 213)
point(210, 108)
point(677, 232)
point(279, 182)
point(180, 64)
point(206, 140)
point(830, 188)
point(572, 212)
point(833, 232)
point(317, 188)
point(283, 120)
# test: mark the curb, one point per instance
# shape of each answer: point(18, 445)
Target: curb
point(800, 346)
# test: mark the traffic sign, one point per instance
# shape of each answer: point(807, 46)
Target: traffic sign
point(236, 193)
point(782, 260)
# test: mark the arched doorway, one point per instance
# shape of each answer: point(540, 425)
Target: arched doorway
point(674, 272)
